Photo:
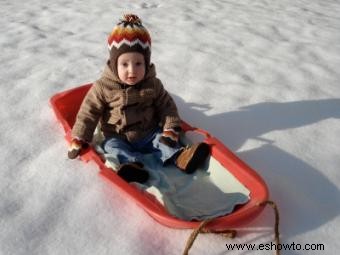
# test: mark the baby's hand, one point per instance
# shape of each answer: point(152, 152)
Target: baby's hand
point(75, 148)
point(170, 137)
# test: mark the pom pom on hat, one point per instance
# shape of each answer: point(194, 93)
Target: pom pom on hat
point(129, 35)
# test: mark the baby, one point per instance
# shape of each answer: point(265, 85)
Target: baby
point(135, 113)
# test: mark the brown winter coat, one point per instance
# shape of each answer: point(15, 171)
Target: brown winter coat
point(129, 112)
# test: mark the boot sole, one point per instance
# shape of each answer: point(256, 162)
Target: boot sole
point(133, 174)
point(199, 157)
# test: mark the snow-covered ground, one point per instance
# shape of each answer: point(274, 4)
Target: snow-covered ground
point(263, 76)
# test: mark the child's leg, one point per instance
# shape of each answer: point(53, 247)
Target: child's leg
point(164, 152)
point(187, 159)
point(121, 150)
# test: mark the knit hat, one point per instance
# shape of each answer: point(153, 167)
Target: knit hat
point(129, 35)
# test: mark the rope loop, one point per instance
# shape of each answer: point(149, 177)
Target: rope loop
point(230, 233)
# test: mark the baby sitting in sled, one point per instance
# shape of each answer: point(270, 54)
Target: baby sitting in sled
point(136, 114)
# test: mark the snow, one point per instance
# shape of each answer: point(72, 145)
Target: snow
point(262, 76)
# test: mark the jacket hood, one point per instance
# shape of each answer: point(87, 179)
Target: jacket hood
point(112, 78)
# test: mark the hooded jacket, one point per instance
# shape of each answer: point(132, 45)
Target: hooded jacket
point(128, 112)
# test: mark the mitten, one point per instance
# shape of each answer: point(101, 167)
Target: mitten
point(75, 148)
point(170, 137)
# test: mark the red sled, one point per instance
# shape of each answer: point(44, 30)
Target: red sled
point(66, 105)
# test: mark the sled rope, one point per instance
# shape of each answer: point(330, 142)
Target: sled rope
point(277, 221)
point(230, 233)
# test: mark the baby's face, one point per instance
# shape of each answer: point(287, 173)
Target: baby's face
point(131, 67)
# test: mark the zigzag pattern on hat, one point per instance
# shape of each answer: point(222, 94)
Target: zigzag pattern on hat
point(129, 31)
point(129, 43)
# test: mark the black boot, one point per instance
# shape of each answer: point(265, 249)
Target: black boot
point(133, 172)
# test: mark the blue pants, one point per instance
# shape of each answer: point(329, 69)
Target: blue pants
point(127, 152)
